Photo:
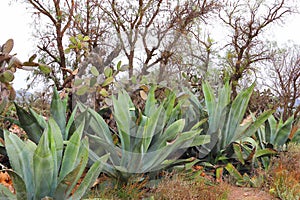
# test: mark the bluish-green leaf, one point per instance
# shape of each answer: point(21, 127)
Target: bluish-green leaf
point(90, 177)
point(71, 152)
point(58, 111)
point(21, 159)
point(30, 125)
point(43, 167)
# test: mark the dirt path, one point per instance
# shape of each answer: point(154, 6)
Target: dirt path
point(242, 193)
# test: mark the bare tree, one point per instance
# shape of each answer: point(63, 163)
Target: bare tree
point(285, 78)
point(57, 22)
point(153, 28)
point(247, 20)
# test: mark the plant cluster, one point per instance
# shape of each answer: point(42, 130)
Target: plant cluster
point(167, 132)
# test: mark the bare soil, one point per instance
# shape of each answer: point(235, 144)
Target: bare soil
point(245, 193)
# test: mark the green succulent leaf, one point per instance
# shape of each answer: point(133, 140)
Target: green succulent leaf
point(30, 124)
point(90, 177)
point(7, 76)
point(44, 68)
point(108, 72)
point(119, 65)
point(21, 155)
point(31, 59)
point(234, 172)
point(94, 71)
point(108, 81)
point(58, 109)
point(82, 90)
point(39, 118)
point(19, 185)
point(71, 152)
point(43, 167)
point(7, 194)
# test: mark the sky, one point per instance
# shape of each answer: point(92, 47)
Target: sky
point(15, 24)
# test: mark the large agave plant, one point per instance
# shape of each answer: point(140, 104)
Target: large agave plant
point(225, 119)
point(48, 169)
point(149, 139)
point(274, 135)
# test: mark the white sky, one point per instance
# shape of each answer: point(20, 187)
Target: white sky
point(15, 24)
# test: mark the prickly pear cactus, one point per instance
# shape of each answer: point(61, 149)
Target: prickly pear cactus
point(8, 65)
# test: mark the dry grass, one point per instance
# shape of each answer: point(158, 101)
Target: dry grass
point(112, 189)
point(284, 174)
point(182, 186)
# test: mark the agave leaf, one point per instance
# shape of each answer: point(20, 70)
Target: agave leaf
point(234, 172)
point(30, 125)
point(65, 184)
point(236, 114)
point(83, 158)
point(90, 177)
point(124, 119)
point(199, 140)
point(71, 152)
point(149, 129)
point(151, 101)
point(255, 125)
point(70, 122)
point(264, 152)
point(99, 126)
point(43, 167)
point(21, 156)
point(56, 148)
point(40, 119)
point(58, 111)
point(238, 152)
point(19, 186)
point(171, 132)
point(5, 193)
point(115, 152)
point(155, 158)
point(271, 128)
point(283, 132)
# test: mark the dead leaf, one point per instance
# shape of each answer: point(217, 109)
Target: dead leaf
point(143, 95)
point(6, 181)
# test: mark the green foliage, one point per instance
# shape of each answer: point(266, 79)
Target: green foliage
point(273, 136)
point(8, 66)
point(244, 180)
point(98, 83)
point(34, 124)
point(148, 138)
point(225, 119)
point(49, 169)
point(275, 133)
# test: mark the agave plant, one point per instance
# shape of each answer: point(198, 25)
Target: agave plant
point(149, 139)
point(48, 169)
point(274, 135)
point(34, 124)
point(225, 119)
